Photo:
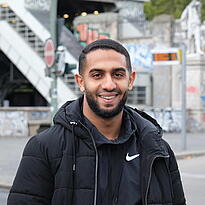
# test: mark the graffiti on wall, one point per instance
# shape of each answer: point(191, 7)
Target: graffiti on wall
point(203, 117)
point(168, 119)
point(192, 89)
point(13, 123)
point(38, 4)
point(140, 54)
point(40, 115)
point(203, 101)
point(87, 35)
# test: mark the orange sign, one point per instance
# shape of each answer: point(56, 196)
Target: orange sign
point(169, 56)
point(164, 56)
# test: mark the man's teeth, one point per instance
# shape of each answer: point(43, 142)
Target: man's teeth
point(108, 97)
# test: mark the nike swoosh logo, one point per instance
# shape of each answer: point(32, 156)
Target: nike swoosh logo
point(129, 158)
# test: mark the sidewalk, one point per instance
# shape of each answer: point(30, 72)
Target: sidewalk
point(195, 141)
point(195, 144)
point(11, 149)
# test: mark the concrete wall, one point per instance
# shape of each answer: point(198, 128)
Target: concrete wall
point(170, 119)
point(22, 122)
point(196, 87)
point(163, 32)
point(93, 27)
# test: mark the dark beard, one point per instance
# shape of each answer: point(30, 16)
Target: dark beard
point(103, 113)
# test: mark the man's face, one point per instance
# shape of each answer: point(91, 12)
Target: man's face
point(105, 81)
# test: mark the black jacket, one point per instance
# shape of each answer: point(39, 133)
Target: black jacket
point(60, 165)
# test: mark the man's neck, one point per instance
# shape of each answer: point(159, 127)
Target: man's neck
point(109, 127)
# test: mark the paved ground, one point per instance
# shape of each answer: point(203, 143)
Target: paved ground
point(11, 150)
point(195, 141)
point(10, 155)
point(193, 177)
point(3, 196)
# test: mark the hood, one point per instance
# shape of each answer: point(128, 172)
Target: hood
point(69, 113)
point(144, 122)
point(70, 117)
point(149, 132)
point(147, 128)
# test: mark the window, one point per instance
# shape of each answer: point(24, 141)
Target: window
point(137, 95)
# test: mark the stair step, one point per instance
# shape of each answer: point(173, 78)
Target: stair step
point(23, 30)
point(21, 24)
point(39, 49)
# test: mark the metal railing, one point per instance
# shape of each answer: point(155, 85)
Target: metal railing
point(70, 80)
point(7, 14)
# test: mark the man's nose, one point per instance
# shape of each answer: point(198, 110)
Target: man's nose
point(108, 83)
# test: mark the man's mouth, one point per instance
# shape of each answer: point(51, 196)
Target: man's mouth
point(108, 97)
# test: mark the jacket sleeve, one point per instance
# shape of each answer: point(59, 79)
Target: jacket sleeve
point(33, 183)
point(178, 193)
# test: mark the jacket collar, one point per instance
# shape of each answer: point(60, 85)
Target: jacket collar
point(149, 132)
point(147, 128)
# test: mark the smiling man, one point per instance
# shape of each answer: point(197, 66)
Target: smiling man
point(105, 78)
point(99, 151)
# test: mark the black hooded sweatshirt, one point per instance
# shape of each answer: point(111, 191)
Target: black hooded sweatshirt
point(118, 175)
point(66, 164)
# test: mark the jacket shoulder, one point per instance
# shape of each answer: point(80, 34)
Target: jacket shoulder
point(144, 122)
point(48, 144)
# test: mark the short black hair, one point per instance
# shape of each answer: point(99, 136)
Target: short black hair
point(104, 44)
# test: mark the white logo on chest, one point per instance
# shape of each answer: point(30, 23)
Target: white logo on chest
point(129, 158)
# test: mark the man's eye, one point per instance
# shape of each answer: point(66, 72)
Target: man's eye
point(118, 75)
point(96, 75)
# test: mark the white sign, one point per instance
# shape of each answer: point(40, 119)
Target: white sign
point(43, 5)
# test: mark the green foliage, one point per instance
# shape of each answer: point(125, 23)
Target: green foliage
point(203, 10)
point(172, 7)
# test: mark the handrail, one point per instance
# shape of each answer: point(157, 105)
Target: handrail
point(15, 55)
point(7, 14)
point(29, 20)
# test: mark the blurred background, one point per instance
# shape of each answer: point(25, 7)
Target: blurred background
point(40, 41)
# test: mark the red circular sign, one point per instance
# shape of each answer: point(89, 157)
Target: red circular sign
point(49, 53)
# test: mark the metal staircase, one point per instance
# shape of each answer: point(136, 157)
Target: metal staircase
point(30, 37)
point(25, 48)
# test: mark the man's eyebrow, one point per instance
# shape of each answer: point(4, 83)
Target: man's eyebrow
point(95, 70)
point(114, 70)
point(120, 69)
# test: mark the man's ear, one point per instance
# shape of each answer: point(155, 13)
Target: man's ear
point(131, 80)
point(79, 80)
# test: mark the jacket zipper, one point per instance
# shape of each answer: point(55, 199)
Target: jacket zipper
point(96, 164)
point(150, 174)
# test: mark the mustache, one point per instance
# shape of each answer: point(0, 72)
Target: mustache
point(109, 91)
